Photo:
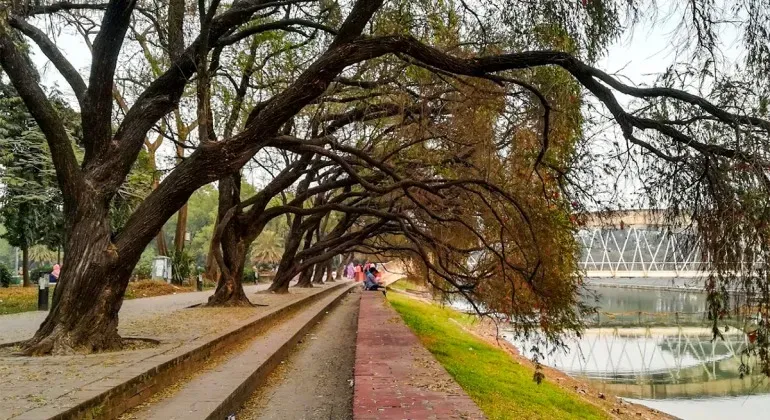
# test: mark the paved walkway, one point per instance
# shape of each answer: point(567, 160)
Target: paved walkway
point(41, 387)
point(315, 382)
point(20, 326)
point(395, 376)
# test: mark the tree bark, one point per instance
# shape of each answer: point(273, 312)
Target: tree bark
point(285, 271)
point(318, 273)
point(25, 266)
point(212, 268)
point(305, 278)
point(229, 290)
point(88, 297)
point(329, 271)
point(181, 229)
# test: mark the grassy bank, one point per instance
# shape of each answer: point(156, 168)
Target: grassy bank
point(23, 299)
point(502, 388)
point(406, 284)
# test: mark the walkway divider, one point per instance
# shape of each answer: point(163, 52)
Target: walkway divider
point(113, 396)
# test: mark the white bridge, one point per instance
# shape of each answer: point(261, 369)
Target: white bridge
point(637, 244)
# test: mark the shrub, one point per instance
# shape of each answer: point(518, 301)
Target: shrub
point(248, 275)
point(181, 266)
point(38, 272)
point(5, 276)
point(143, 269)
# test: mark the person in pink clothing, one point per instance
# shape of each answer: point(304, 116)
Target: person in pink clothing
point(54, 277)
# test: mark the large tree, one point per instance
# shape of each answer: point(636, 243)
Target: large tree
point(493, 49)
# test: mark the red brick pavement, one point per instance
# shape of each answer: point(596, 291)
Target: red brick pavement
point(395, 376)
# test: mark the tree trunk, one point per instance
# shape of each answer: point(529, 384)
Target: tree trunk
point(285, 271)
point(329, 271)
point(305, 279)
point(318, 273)
point(25, 266)
point(160, 239)
point(89, 294)
point(229, 290)
point(181, 229)
point(212, 268)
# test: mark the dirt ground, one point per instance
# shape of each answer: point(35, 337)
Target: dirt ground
point(316, 382)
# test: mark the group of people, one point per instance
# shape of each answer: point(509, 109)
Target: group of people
point(366, 273)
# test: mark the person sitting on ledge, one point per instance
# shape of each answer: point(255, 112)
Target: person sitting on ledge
point(371, 281)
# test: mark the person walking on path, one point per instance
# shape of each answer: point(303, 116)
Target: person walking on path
point(349, 271)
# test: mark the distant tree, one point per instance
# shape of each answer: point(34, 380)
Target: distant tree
point(31, 205)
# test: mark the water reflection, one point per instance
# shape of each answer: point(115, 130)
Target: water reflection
point(617, 299)
point(673, 362)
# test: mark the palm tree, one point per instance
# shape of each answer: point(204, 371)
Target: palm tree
point(268, 248)
point(42, 254)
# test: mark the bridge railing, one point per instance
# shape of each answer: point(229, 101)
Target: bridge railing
point(644, 252)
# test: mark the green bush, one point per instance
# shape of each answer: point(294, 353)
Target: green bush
point(36, 273)
point(248, 275)
point(143, 270)
point(5, 276)
point(182, 266)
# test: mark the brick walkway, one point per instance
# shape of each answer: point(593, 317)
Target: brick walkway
point(395, 376)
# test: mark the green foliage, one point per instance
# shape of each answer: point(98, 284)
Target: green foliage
point(42, 254)
point(40, 271)
point(136, 187)
point(182, 266)
point(143, 269)
point(5, 276)
point(7, 254)
point(31, 206)
point(268, 248)
point(501, 387)
point(249, 275)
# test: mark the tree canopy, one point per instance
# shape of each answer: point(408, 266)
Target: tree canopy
point(440, 132)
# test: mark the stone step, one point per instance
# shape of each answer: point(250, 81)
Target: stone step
point(219, 392)
point(110, 396)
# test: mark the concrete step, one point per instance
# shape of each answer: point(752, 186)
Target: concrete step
point(220, 391)
point(110, 396)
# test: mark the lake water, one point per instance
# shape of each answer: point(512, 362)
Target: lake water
point(655, 348)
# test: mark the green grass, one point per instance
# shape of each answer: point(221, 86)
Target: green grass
point(404, 284)
point(501, 387)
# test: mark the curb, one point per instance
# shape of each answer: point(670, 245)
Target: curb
point(132, 392)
